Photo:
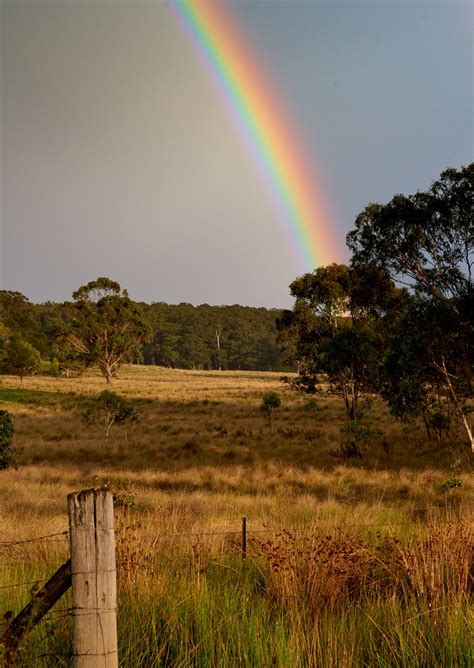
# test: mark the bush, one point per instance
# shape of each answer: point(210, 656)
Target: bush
point(20, 359)
point(7, 452)
point(107, 409)
point(270, 401)
point(356, 440)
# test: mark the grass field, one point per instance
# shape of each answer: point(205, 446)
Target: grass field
point(366, 562)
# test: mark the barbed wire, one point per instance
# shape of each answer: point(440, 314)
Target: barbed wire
point(23, 584)
point(13, 543)
point(280, 530)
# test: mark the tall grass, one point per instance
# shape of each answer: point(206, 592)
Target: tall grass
point(349, 564)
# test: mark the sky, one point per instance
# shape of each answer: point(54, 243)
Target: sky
point(119, 158)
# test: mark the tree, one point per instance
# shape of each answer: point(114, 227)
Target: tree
point(428, 368)
point(19, 317)
point(270, 402)
point(426, 241)
point(107, 409)
point(106, 326)
point(338, 323)
point(20, 358)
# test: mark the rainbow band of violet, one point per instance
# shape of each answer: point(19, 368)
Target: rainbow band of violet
point(260, 122)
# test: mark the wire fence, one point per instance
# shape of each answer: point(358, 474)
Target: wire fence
point(244, 539)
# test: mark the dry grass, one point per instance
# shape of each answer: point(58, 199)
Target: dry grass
point(372, 552)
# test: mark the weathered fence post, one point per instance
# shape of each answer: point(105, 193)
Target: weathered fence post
point(91, 523)
point(244, 538)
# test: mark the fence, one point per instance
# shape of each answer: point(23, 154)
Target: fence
point(91, 572)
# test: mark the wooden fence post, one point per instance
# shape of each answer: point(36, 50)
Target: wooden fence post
point(91, 523)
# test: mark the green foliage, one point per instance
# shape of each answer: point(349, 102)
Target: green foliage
point(356, 440)
point(20, 358)
point(450, 484)
point(428, 366)
point(108, 409)
point(338, 326)
point(7, 430)
point(270, 402)
point(213, 337)
point(426, 239)
point(453, 482)
point(19, 319)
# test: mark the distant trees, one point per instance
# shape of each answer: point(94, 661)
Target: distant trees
point(19, 318)
point(106, 327)
point(22, 340)
point(70, 335)
point(19, 358)
point(213, 337)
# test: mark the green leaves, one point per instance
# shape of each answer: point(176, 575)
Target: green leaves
point(6, 436)
point(20, 358)
point(106, 326)
point(270, 402)
point(424, 240)
point(108, 409)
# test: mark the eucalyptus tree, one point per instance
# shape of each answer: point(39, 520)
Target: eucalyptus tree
point(105, 326)
point(426, 241)
point(338, 330)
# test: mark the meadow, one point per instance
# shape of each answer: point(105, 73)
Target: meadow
point(360, 562)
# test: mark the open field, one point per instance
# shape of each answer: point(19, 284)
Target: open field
point(373, 568)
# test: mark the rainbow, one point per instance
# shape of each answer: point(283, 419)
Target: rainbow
point(262, 126)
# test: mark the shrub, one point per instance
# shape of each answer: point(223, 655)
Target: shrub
point(20, 359)
point(107, 409)
point(356, 439)
point(270, 401)
point(7, 452)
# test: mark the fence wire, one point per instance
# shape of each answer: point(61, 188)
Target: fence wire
point(45, 539)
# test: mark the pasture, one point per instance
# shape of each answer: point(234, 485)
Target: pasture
point(360, 562)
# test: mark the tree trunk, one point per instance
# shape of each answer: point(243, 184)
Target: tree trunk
point(107, 372)
point(457, 403)
point(218, 341)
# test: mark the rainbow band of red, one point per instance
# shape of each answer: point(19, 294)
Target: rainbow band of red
point(262, 126)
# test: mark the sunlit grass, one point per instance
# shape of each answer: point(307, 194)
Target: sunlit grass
point(398, 573)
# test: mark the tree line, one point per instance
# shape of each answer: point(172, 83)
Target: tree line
point(396, 323)
point(103, 326)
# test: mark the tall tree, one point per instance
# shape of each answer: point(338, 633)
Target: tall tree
point(333, 325)
point(426, 241)
point(106, 326)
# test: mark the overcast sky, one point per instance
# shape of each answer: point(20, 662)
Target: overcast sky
point(118, 157)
